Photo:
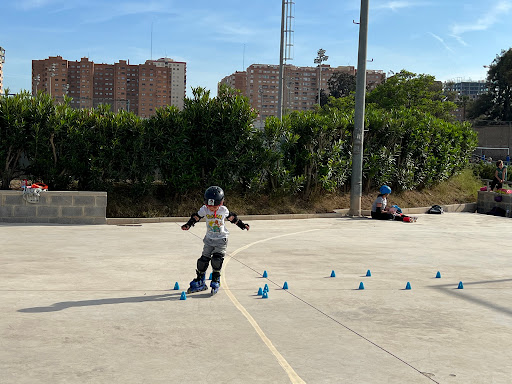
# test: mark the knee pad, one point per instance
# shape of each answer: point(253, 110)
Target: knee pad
point(217, 260)
point(202, 263)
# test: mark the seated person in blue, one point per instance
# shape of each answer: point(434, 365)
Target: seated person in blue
point(380, 212)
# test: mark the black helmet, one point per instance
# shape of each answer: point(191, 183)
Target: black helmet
point(214, 196)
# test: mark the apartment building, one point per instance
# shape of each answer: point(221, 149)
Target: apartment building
point(374, 78)
point(140, 88)
point(470, 88)
point(260, 83)
point(2, 61)
point(237, 80)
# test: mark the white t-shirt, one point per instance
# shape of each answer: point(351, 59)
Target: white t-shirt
point(215, 221)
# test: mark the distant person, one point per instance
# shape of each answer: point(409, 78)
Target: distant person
point(499, 176)
point(507, 160)
point(380, 212)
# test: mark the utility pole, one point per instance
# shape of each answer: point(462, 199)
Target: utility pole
point(281, 58)
point(356, 188)
point(285, 51)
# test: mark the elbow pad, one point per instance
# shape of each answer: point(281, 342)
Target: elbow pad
point(235, 220)
point(194, 218)
point(240, 224)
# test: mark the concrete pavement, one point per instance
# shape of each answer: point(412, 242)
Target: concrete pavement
point(96, 304)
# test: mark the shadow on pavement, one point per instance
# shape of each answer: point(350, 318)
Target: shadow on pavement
point(451, 289)
point(114, 300)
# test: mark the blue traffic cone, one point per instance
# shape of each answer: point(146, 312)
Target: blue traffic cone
point(183, 296)
point(265, 274)
point(408, 285)
point(461, 286)
point(265, 295)
point(438, 275)
point(285, 286)
point(265, 288)
point(368, 273)
point(333, 274)
point(260, 292)
point(176, 286)
point(210, 276)
point(361, 285)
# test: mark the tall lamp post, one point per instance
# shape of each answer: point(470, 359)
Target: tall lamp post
point(260, 91)
point(37, 80)
point(52, 69)
point(356, 188)
point(65, 89)
point(318, 60)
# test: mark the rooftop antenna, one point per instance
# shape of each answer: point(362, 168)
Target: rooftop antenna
point(243, 60)
point(151, 54)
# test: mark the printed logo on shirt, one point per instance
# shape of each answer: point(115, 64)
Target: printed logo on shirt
point(208, 216)
point(214, 225)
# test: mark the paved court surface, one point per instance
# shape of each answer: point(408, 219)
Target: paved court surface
point(96, 304)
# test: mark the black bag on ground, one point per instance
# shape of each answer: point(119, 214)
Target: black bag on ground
point(497, 211)
point(436, 209)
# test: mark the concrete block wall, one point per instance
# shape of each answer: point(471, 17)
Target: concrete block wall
point(71, 207)
point(486, 202)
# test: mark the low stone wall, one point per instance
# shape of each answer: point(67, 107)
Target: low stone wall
point(486, 202)
point(54, 207)
point(467, 207)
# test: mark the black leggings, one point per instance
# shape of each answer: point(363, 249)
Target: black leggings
point(496, 183)
point(387, 216)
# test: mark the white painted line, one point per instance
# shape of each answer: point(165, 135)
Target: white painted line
point(294, 378)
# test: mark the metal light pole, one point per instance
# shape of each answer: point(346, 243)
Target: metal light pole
point(37, 79)
point(281, 59)
point(260, 91)
point(52, 74)
point(358, 135)
point(318, 60)
point(65, 89)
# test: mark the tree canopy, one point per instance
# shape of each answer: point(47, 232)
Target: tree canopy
point(409, 90)
point(341, 84)
point(499, 105)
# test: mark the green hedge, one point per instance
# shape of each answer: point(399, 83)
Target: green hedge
point(213, 141)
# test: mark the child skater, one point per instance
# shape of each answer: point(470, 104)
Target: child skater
point(216, 238)
point(380, 212)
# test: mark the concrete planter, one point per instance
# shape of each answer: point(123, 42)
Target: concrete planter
point(486, 201)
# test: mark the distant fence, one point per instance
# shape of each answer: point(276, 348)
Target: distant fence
point(494, 140)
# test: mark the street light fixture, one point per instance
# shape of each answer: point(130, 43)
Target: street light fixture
point(52, 70)
point(260, 91)
point(318, 60)
point(37, 80)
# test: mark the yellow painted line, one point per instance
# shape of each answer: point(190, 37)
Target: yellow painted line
point(294, 378)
